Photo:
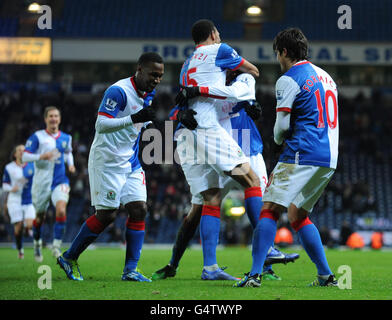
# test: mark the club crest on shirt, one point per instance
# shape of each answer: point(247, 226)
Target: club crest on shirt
point(64, 144)
point(111, 195)
point(110, 104)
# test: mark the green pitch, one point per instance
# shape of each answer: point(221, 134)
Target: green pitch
point(102, 268)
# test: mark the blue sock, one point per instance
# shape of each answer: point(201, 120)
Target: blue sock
point(134, 236)
point(88, 233)
point(209, 233)
point(263, 239)
point(311, 241)
point(253, 204)
point(59, 228)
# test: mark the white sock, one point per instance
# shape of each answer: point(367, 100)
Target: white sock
point(57, 243)
point(214, 267)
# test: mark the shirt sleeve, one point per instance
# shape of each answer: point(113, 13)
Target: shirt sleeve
point(282, 125)
point(6, 177)
point(68, 153)
point(106, 124)
point(31, 148)
point(286, 90)
point(32, 144)
point(242, 89)
point(228, 58)
point(113, 101)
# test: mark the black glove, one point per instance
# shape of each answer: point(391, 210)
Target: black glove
point(144, 115)
point(254, 111)
point(186, 93)
point(187, 118)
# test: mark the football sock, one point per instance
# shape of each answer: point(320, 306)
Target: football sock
point(263, 239)
point(37, 230)
point(311, 241)
point(253, 204)
point(19, 240)
point(209, 233)
point(184, 236)
point(59, 228)
point(134, 236)
point(214, 267)
point(88, 232)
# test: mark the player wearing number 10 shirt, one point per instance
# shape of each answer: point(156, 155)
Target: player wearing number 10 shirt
point(307, 129)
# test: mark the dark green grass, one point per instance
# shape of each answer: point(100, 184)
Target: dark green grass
point(102, 268)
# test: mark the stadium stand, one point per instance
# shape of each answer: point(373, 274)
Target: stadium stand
point(361, 190)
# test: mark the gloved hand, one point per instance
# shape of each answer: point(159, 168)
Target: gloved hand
point(186, 93)
point(254, 111)
point(144, 115)
point(187, 118)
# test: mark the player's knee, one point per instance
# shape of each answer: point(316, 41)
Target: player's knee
point(137, 211)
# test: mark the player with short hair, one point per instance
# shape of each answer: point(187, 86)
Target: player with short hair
point(50, 149)
point(17, 181)
point(238, 120)
point(115, 173)
point(307, 130)
point(209, 151)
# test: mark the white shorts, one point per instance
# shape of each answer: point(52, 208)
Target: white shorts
point(227, 183)
point(19, 212)
point(110, 189)
point(41, 197)
point(205, 154)
point(300, 185)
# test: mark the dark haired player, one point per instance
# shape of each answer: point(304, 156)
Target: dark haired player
point(307, 131)
point(115, 174)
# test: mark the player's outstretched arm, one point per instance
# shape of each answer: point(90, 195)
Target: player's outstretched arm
point(248, 67)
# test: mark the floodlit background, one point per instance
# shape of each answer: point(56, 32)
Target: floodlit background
point(91, 44)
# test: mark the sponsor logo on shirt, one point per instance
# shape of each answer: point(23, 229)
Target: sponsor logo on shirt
point(110, 104)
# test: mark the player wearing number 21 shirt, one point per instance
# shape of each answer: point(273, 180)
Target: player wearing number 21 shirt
point(307, 129)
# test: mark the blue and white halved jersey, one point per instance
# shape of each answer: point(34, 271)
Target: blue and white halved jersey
point(310, 95)
point(49, 173)
point(22, 176)
point(118, 151)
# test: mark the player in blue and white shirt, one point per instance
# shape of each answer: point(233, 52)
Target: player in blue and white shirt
point(50, 149)
point(215, 152)
point(17, 181)
point(238, 120)
point(115, 174)
point(307, 129)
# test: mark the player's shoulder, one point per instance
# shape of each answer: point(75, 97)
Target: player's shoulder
point(65, 135)
point(38, 134)
point(321, 73)
point(9, 166)
point(286, 81)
